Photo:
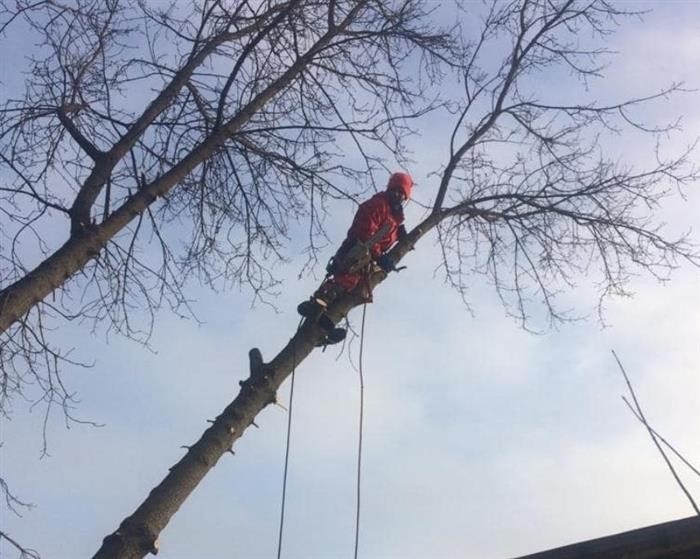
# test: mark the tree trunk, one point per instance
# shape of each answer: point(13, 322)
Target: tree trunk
point(137, 534)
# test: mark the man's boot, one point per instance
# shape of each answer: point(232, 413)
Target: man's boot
point(311, 308)
point(319, 301)
point(333, 334)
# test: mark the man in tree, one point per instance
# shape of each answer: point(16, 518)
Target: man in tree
point(377, 225)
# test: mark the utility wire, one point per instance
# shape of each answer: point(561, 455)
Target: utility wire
point(656, 434)
point(652, 434)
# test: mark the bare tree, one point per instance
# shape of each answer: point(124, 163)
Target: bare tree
point(248, 107)
point(253, 103)
point(528, 197)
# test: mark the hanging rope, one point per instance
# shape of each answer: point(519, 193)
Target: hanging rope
point(286, 452)
point(359, 444)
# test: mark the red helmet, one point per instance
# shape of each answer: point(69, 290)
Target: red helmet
point(401, 182)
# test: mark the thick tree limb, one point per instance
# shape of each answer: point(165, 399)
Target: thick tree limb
point(138, 534)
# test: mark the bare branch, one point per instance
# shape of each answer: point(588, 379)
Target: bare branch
point(24, 552)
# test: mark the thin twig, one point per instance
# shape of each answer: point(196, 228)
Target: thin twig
point(24, 552)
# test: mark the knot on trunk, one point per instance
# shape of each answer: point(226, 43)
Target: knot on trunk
point(132, 539)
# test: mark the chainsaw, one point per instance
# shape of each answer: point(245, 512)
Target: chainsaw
point(358, 256)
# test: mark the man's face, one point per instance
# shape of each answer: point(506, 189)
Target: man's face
point(397, 196)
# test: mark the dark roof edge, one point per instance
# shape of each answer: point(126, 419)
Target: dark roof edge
point(678, 539)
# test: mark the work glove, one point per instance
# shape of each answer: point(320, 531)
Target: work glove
point(401, 232)
point(385, 263)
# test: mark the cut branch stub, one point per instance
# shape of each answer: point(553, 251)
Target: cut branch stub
point(136, 535)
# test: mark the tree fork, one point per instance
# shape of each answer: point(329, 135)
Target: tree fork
point(106, 161)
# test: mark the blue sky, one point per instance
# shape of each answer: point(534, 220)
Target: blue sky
point(481, 440)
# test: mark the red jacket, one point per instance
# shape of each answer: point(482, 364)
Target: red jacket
point(370, 217)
